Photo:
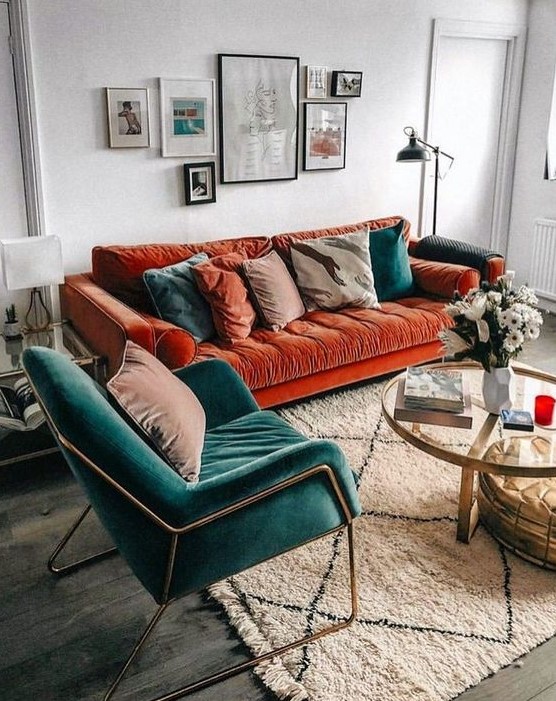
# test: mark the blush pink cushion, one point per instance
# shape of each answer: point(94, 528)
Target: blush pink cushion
point(163, 407)
point(221, 285)
point(277, 298)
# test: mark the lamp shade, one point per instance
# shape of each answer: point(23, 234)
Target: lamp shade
point(31, 261)
point(413, 152)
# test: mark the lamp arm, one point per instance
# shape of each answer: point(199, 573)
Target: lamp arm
point(435, 149)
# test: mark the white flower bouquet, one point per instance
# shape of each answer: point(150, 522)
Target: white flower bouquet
point(492, 323)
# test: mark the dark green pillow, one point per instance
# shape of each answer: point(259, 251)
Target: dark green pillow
point(177, 299)
point(390, 263)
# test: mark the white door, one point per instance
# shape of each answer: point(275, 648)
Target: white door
point(473, 111)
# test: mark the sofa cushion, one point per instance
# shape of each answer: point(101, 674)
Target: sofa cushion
point(276, 297)
point(221, 284)
point(333, 272)
point(162, 407)
point(282, 242)
point(177, 299)
point(390, 262)
point(119, 269)
point(323, 340)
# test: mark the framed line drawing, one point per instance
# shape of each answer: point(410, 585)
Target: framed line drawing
point(346, 84)
point(324, 142)
point(187, 119)
point(128, 117)
point(316, 82)
point(200, 183)
point(258, 117)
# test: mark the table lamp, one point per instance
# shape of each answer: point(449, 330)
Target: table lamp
point(32, 262)
point(419, 151)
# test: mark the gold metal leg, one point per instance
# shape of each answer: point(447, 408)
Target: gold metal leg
point(243, 666)
point(65, 569)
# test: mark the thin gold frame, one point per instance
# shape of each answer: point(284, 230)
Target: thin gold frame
point(176, 533)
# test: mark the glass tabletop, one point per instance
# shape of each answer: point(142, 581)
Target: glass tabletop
point(60, 337)
point(487, 446)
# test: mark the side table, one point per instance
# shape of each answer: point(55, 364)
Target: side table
point(60, 337)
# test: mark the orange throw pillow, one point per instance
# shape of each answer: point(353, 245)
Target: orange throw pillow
point(221, 284)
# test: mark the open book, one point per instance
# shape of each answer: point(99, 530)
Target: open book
point(19, 409)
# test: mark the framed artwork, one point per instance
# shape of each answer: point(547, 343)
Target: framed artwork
point(187, 120)
point(550, 173)
point(128, 117)
point(258, 117)
point(346, 83)
point(324, 143)
point(200, 183)
point(316, 82)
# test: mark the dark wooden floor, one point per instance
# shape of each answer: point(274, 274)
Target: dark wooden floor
point(64, 639)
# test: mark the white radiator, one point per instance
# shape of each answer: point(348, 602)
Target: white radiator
point(542, 276)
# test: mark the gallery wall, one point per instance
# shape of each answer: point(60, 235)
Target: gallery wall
point(97, 195)
point(533, 196)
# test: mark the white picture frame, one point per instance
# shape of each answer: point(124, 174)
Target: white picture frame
point(128, 117)
point(317, 81)
point(187, 117)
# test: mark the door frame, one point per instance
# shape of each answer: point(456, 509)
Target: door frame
point(514, 35)
point(26, 111)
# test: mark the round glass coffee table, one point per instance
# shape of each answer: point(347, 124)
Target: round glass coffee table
point(516, 495)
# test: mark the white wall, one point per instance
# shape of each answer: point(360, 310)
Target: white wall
point(533, 196)
point(96, 195)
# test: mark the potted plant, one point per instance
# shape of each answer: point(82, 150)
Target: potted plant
point(11, 324)
point(491, 325)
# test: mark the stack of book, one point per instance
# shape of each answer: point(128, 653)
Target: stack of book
point(434, 396)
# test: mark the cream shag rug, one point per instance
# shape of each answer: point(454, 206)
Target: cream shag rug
point(435, 616)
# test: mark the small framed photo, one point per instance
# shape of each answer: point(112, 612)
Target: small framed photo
point(187, 117)
point(128, 117)
point(346, 83)
point(324, 144)
point(316, 82)
point(200, 183)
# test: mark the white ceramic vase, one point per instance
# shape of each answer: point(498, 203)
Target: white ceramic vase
point(498, 389)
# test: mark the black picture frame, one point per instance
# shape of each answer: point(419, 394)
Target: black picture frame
point(346, 83)
point(200, 182)
point(258, 117)
point(324, 135)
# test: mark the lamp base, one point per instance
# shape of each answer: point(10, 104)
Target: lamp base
point(38, 317)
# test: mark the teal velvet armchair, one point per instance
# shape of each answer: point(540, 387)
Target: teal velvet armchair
point(273, 491)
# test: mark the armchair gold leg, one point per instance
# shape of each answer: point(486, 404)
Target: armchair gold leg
point(243, 666)
point(65, 569)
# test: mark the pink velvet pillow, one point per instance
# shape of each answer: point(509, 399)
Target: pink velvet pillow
point(274, 290)
point(163, 407)
point(221, 284)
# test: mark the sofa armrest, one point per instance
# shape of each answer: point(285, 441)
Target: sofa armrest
point(173, 346)
point(102, 321)
point(490, 264)
point(233, 398)
point(443, 279)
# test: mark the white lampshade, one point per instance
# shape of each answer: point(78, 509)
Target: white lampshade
point(31, 261)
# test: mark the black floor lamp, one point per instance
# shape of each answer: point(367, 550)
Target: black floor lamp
point(419, 150)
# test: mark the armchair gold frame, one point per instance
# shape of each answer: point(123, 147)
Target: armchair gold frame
point(176, 533)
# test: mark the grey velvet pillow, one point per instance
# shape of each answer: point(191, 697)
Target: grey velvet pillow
point(335, 271)
point(177, 299)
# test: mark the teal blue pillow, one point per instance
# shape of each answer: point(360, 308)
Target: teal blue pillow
point(390, 262)
point(177, 299)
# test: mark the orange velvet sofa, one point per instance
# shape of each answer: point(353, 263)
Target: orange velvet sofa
point(320, 351)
